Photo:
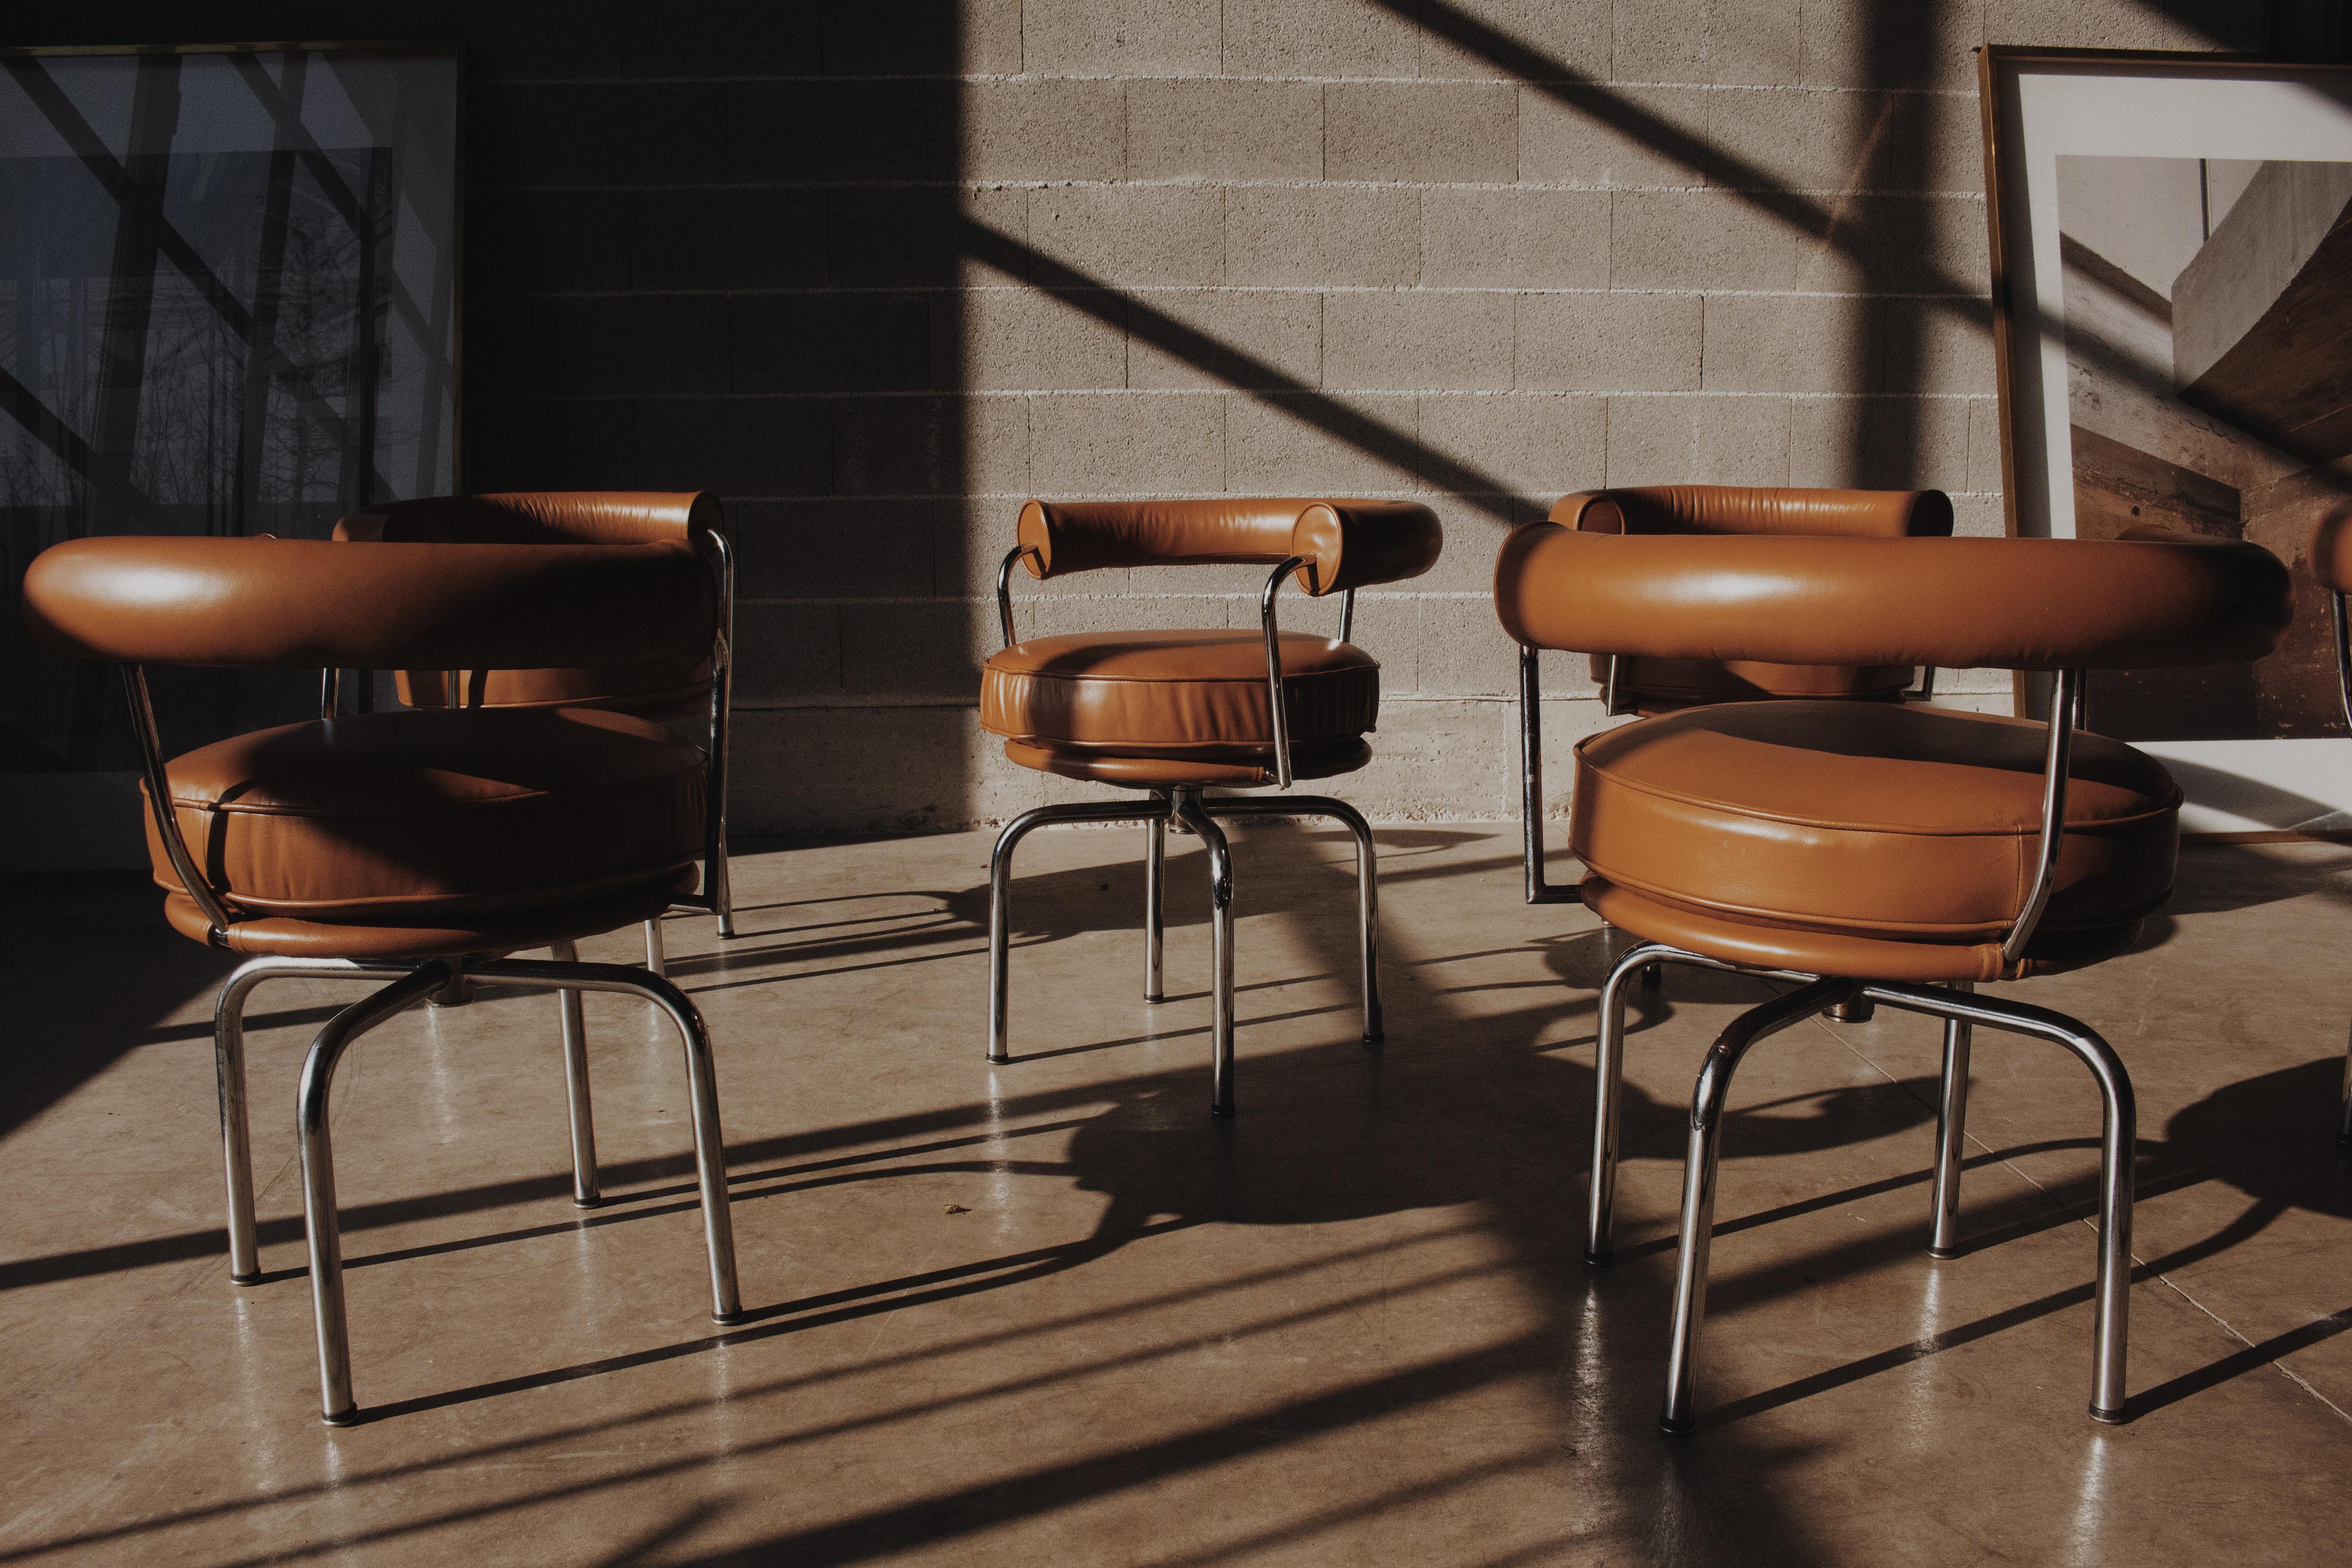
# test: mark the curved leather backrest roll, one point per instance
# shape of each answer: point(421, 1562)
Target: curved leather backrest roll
point(1347, 544)
point(2024, 604)
point(1758, 510)
point(1354, 544)
point(310, 604)
point(2331, 551)
point(541, 517)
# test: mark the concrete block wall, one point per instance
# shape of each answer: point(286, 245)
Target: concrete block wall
point(1480, 253)
point(878, 270)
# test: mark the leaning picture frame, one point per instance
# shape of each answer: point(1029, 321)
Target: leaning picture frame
point(231, 277)
point(2171, 248)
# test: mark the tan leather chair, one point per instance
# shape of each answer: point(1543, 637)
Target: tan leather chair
point(1902, 853)
point(2331, 563)
point(414, 847)
point(1176, 714)
point(1653, 686)
point(673, 687)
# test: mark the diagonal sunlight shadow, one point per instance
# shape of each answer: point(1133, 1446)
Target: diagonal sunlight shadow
point(1243, 370)
point(801, 1384)
point(1722, 171)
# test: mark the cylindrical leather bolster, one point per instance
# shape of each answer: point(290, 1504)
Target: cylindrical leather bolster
point(1758, 509)
point(1064, 537)
point(2331, 551)
point(2022, 605)
point(1355, 544)
point(310, 604)
point(542, 517)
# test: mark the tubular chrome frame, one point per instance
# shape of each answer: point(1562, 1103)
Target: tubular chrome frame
point(2344, 687)
point(1004, 590)
point(410, 984)
point(159, 807)
point(1531, 818)
point(1277, 709)
point(2065, 704)
point(1961, 1010)
point(1188, 804)
point(2343, 656)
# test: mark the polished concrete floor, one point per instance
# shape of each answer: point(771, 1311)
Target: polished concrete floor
point(1052, 1313)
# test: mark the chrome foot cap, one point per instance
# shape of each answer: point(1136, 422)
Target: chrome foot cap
point(1599, 1260)
point(252, 1278)
point(2107, 1418)
point(587, 1203)
point(729, 1320)
point(348, 1417)
point(1943, 1254)
point(1673, 1429)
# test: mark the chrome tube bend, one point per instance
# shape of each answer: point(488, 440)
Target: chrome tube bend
point(229, 1075)
point(322, 1226)
point(1608, 1093)
point(1700, 1163)
point(1000, 894)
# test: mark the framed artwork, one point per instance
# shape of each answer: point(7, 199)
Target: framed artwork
point(2172, 324)
point(229, 304)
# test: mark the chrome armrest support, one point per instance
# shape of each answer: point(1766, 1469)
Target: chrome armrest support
point(331, 690)
point(1927, 682)
point(159, 805)
point(723, 699)
point(2343, 657)
point(1531, 785)
point(2066, 706)
point(1609, 708)
point(1277, 710)
point(1004, 590)
point(1347, 614)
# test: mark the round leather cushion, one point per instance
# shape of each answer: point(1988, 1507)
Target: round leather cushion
point(1911, 824)
point(654, 688)
point(431, 818)
point(1156, 692)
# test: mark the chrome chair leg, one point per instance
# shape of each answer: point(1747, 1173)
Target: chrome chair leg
point(1155, 855)
point(321, 1225)
point(228, 1066)
point(1608, 1093)
point(722, 889)
point(656, 960)
point(1951, 1136)
point(236, 1131)
point(2343, 1125)
point(1000, 894)
point(1187, 810)
point(587, 1187)
point(1699, 1168)
point(2119, 1136)
point(702, 1087)
point(1367, 895)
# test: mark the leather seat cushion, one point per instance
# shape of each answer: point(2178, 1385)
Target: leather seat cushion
point(655, 689)
point(1899, 823)
point(1163, 693)
point(1242, 768)
point(437, 817)
point(1663, 684)
point(284, 937)
point(1762, 945)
